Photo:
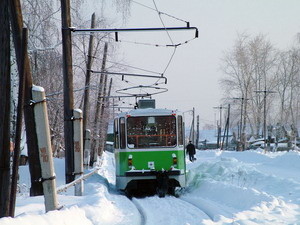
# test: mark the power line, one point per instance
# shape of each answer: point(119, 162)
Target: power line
point(170, 60)
point(134, 67)
point(163, 13)
point(162, 22)
point(157, 45)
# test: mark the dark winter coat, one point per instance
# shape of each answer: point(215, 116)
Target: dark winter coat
point(190, 149)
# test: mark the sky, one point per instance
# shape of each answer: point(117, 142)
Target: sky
point(223, 187)
point(194, 72)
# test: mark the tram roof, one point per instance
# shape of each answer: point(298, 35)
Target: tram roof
point(149, 112)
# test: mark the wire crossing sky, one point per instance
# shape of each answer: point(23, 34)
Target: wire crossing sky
point(194, 73)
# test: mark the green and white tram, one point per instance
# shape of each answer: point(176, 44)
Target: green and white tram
point(149, 150)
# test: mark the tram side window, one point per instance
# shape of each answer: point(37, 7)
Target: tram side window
point(122, 133)
point(116, 134)
point(180, 130)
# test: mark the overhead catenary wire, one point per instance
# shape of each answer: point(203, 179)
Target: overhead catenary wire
point(162, 22)
point(158, 45)
point(163, 13)
point(166, 29)
point(134, 67)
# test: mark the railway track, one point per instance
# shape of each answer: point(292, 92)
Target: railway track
point(155, 210)
point(141, 211)
point(211, 208)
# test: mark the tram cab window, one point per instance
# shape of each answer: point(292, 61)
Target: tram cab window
point(151, 131)
point(180, 130)
point(122, 133)
point(116, 134)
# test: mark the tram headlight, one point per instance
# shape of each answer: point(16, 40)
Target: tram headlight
point(130, 161)
point(174, 159)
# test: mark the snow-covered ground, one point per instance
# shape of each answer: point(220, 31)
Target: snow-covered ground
point(223, 188)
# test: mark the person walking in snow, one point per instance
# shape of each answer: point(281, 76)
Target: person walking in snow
point(191, 150)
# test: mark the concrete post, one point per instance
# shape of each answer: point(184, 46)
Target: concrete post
point(44, 145)
point(87, 148)
point(78, 150)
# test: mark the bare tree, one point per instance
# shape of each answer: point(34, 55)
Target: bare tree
point(264, 58)
point(238, 69)
point(249, 67)
point(288, 83)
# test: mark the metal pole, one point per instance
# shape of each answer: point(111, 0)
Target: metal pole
point(130, 74)
point(116, 30)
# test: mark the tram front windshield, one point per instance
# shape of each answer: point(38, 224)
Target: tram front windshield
point(151, 131)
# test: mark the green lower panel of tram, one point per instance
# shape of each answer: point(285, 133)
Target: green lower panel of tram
point(145, 165)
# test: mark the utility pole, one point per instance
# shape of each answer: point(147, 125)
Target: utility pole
point(4, 109)
point(228, 122)
point(218, 133)
point(16, 157)
point(102, 119)
point(68, 89)
point(226, 129)
point(193, 134)
point(32, 145)
point(197, 136)
point(219, 126)
point(265, 114)
point(105, 119)
point(86, 103)
point(98, 105)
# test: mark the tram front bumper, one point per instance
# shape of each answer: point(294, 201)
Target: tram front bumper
point(138, 173)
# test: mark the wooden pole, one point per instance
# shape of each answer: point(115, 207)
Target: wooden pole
point(193, 134)
point(101, 126)
point(31, 138)
point(197, 136)
point(4, 109)
point(17, 143)
point(44, 143)
point(228, 119)
point(105, 120)
point(93, 154)
point(218, 138)
point(86, 102)
point(68, 89)
point(78, 150)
